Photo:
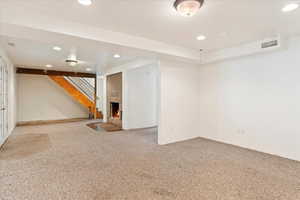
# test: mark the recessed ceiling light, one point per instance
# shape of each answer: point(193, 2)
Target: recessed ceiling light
point(85, 2)
point(57, 48)
point(290, 7)
point(49, 66)
point(188, 8)
point(117, 56)
point(201, 37)
point(88, 69)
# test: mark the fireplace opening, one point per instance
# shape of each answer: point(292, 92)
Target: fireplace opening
point(115, 110)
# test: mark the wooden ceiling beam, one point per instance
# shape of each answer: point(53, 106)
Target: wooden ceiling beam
point(53, 73)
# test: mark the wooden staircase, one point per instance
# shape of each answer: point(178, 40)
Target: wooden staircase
point(77, 95)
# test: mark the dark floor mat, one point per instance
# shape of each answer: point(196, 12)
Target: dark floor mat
point(109, 127)
point(21, 146)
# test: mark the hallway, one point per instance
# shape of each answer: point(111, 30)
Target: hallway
point(72, 161)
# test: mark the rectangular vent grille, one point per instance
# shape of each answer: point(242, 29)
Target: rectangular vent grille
point(269, 44)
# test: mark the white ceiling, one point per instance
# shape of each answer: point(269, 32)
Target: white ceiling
point(226, 23)
point(37, 54)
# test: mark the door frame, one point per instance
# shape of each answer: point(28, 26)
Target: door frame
point(3, 100)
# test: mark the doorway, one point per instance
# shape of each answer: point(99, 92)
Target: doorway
point(114, 99)
point(3, 100)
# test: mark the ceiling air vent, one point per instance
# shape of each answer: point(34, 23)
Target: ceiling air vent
point(261, 46)
point(268, 44)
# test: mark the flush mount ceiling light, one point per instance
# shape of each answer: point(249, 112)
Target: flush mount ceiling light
point(72, 60)
point(85, 2)
point(88, 69)
point(290, 7)
point(188, 8)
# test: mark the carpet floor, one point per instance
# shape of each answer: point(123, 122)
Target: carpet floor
point(72, 161)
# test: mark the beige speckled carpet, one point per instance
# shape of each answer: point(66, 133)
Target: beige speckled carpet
point(71, 161)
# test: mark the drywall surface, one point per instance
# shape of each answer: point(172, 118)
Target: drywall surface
point(129, 112)
point(141, 90)
point(11, 92)
point(254, 101)
point(179, 102)
point(100, 93)
point(39, 98)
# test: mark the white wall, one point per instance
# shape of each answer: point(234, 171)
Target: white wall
point(40, 98)
point(140, 92)
point(253, 102)
point(12, 105)
point(130, 120)
point(12, 98)
point(179, 102)
point(100, 92)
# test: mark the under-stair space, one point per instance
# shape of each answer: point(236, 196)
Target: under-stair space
point(82, 90)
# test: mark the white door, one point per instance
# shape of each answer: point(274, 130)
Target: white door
point(3, 99)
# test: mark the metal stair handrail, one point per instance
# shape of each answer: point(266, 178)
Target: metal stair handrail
point(83, 86)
